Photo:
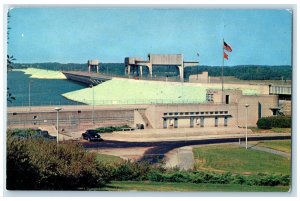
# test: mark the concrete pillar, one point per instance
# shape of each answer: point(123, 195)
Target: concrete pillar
point(97, 68)
point(141, 71)
point(89, 68)
point(150, 69)
point(181, 73)
point(128, 69)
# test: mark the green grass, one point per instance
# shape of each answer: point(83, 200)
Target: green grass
point(104, 158)
point(272, 130)
point(281, 130)
point(187, 187)
point(280, 145)
point(238, 160)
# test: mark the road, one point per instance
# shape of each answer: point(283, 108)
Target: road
point(156, 150)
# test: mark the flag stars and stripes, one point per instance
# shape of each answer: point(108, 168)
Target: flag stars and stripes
point(227, 48)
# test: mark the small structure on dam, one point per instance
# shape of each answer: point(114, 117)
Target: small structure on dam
point(157, 59)
point(93, 64)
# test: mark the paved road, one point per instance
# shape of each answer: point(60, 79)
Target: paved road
point(158, 149)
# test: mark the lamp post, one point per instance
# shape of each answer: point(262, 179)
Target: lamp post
point(92, 86)
point(247, 105)
point(29, 95)
point(57, 110)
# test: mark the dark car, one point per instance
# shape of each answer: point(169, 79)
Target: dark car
point(91, 135)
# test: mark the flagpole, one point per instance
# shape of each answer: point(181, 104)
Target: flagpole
point(222, 72)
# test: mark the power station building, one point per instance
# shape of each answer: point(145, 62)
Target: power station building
point(229, 111)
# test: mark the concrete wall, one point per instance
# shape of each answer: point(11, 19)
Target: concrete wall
point(266, 102)
point(156, 113)
point(93, 62)
point(138, 119)
point(166, 59)
point(202, 78)
point(235, 112)
point(69, 119)
point(218, 95)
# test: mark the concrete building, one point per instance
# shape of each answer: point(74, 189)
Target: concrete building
point(227, 110)
point(137, 64)
point(93, 64)
point(200, 77)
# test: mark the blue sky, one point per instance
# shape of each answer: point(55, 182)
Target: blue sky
point(65, 35)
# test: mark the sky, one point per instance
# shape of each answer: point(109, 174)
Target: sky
point(75, 35)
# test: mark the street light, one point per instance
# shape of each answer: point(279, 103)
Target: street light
point(92, 86)
point(57, 110)
point(247, 105)
point(29, 95)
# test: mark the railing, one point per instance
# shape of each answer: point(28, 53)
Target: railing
point(107, 102)
point(284, 90)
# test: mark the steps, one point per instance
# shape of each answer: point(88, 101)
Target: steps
point(145, 118)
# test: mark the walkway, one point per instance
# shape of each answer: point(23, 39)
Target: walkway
point(272, 151)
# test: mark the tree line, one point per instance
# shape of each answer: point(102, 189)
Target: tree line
point(243, 72)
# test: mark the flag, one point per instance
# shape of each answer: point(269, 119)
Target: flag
point(225, 56)
point(227, 47)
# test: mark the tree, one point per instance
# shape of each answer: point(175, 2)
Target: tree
point(10, 60)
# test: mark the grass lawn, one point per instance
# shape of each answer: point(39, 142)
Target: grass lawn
point(103, 158)
point(236, 159)
point(280, 145)
point(272, 130)
point(187, 187)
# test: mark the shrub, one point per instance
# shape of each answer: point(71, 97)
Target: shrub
point(274, 122)
point(40, 165)
point(111, 129)
point(134, 171)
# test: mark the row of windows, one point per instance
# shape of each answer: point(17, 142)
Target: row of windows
point(195, 113)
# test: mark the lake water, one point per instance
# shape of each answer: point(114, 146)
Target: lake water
point(42, 91)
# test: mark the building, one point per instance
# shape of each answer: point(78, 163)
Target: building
point(136, 64)
point(93, 64)
point(225, 109)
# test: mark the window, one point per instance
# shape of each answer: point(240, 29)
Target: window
point(181, 113)
point(165, 113)
point(210, 97)
point(221, 112)
point(197, 112)
point(226, 112)
point(191, 112)
point(171, 113)
point(211, 112)
point(202, 112)
point(186, 113)
point(176, 113)
point(216, 112)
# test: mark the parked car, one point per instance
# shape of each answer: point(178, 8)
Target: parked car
point(91, 135)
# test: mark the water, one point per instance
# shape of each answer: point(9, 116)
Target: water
point(42, 91)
